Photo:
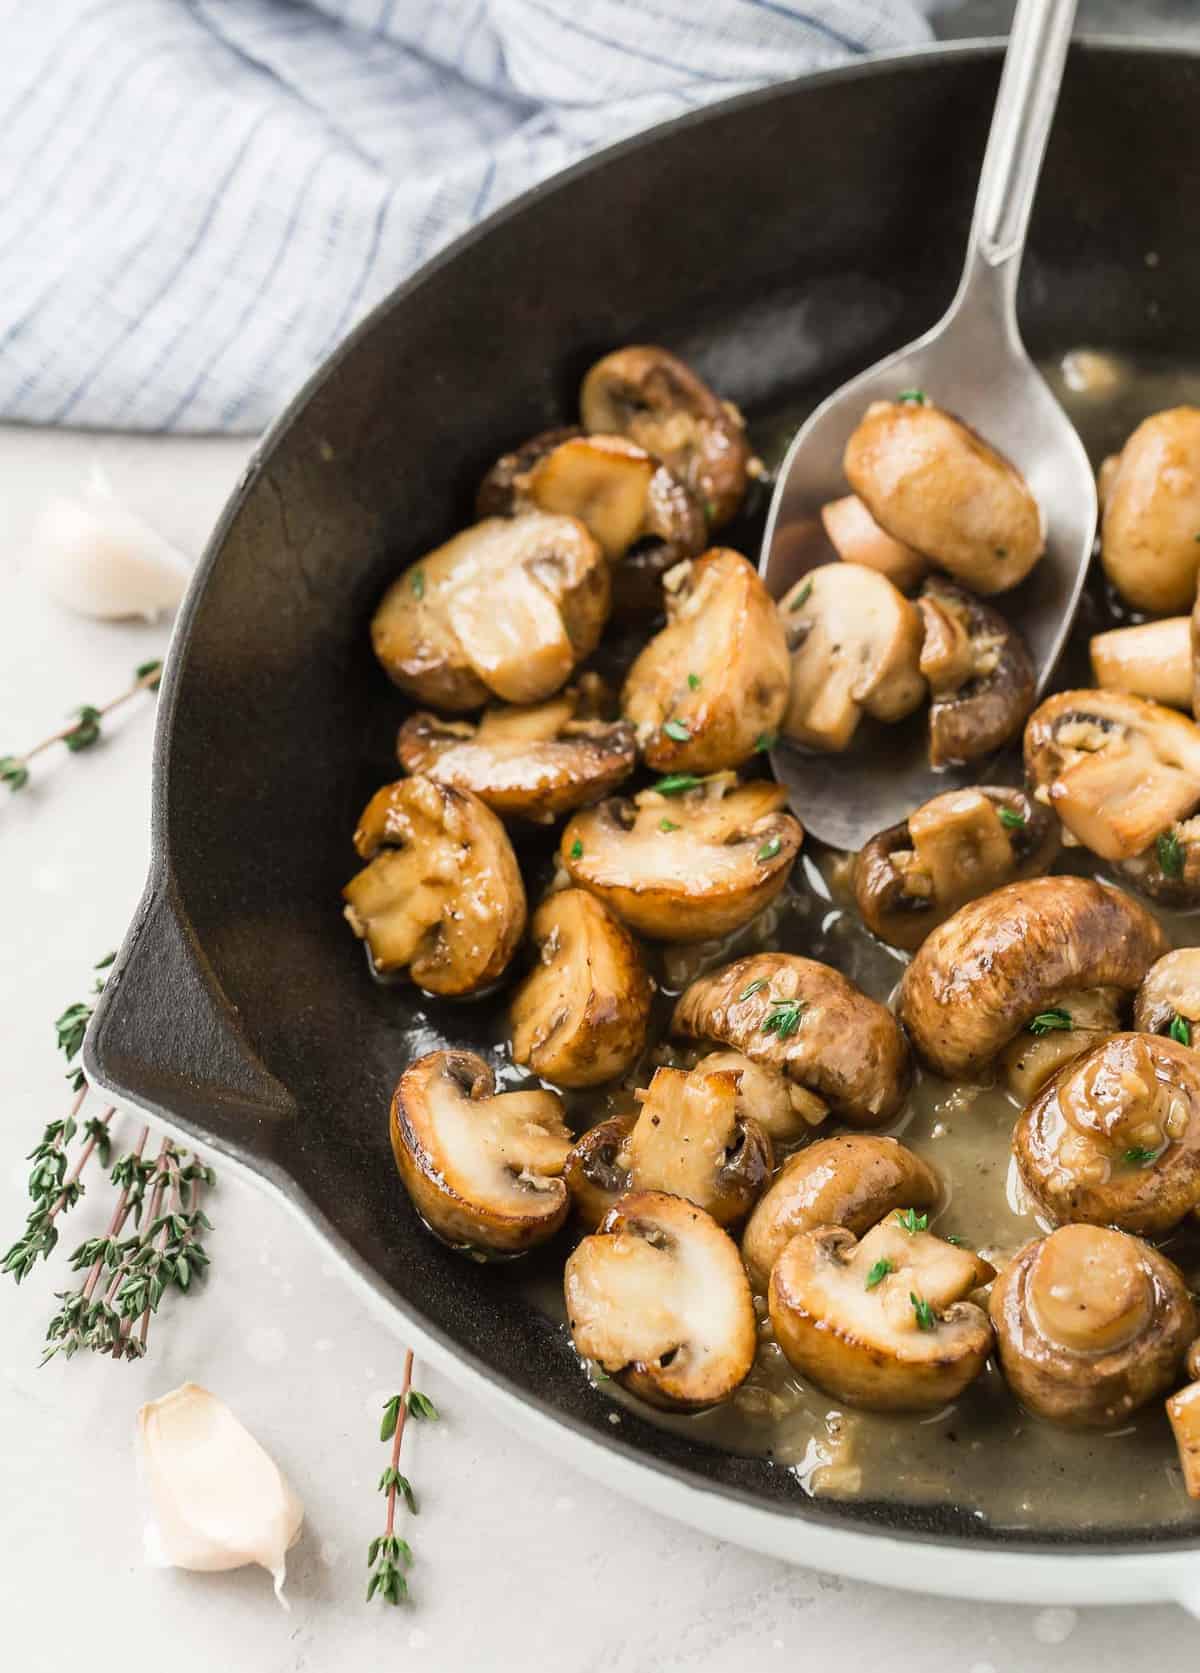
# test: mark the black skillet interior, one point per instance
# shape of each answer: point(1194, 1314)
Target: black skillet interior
point(780, 243)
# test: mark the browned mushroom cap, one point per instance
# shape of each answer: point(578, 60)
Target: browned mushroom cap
point(1114, 1139)
point(853, 1181)
point(857, 538)
point(596, 1175)
point(689, 865)
point(579, 1018)
point(440, 636)
point(442, 895)
point(484, 1169)
point(659, 1300)
point(856, 644)
point(883, 1323)
point(690, 1141)
point(532, 761)
point(1003, 961)
point(783, 1109)
point(1152, 513)
point(1152, 660)
point(1168, 1001)
point(960, 845)
point(935, 485)
point(809, 1021)
point(979, 673)
point(502, 491)
point(647, 394)
point(1123, 775)
point(1091, 1324)
point(705, 691)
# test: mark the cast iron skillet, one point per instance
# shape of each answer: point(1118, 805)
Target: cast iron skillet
point(779, 241)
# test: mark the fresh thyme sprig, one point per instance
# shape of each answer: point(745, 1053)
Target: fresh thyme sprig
point(85, 729)
point(389, 1556)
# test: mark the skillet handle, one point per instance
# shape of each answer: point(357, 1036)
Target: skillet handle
point(1025, 106)
point(167, 1039)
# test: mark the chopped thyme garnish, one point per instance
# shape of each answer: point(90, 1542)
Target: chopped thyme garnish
point(677, 730)
point(912, 1221)
point(1051, 1022)
point(784, 1018)
point(802, 597)
point(1181, 1030)
point(754, 987)
point(879, 1272)
point(769, 849)
point(694, 682)
point(912, 397)
point(1011, 819)
point(926, 1317)
point(577, 849)
point(667, 825)
point(1139, 1157)
point(675, 784)
point(417, 583)
point(1169, 850)
point(765, 741)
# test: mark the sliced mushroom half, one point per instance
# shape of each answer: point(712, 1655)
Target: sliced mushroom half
point(705, 691)
point(1006, 963)
point(809, 1022)
point(484, 1169)
point(1168, 1001)
point(579, 1018)
point(690, 1141)
point(531, 762)
point(980, 675)
point(1123, 775)
point(693, 861)
point(783, 1109)
point(1153, 660)
point(857, 538)
point(853, 1180)
point(441, 896)
point(652, 397)
point(1091, 1325)
point(960, 845)
point(1183, 1412)
point(506, 609)
point(883, 1323)
point(1114, 1138)
point(659, 1300)
point(855, 642)
point(935, 485)
point(1152, 513)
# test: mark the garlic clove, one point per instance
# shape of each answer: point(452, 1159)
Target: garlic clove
point(219, 1500)
point(97, 557)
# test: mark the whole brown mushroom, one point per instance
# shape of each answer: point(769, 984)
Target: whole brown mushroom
point(1152, 513)
point(1091, 1324)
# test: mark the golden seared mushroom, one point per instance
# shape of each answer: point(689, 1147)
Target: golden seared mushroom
point(1168, 1001)
point(980, 676)
point(1114, 1138)
point(855, 642)
point(441, 896)
point(506, 609)
point(857, 538)
point(502, 491)
point(952, 849)
point(690, 1141)
point(705, 691)
point(1148, 543)
point(1183, 1411)
point(1091, 1324)
point(1152, 660)
point(695, 860)
point(1123, 775)
point(853, 1181)
point(883, 1323)
point(783, 1109)
point(484, 1169)
point(579, 1018)
point(659, 1300)
point(533, 761)
point(935, 485)
point(1015, 961)
point(596, 1173)
point(809, 1022)
point(650, 396)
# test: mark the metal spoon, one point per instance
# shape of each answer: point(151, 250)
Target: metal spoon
point(973, 364)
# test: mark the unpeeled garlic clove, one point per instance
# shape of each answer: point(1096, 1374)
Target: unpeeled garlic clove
point(98, 558)
point(219, 1500)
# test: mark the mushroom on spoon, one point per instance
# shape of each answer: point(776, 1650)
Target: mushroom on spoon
point(973, 365)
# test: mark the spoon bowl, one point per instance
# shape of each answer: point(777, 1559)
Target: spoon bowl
point(972, 364)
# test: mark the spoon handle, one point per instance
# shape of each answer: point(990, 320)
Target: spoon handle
point(1029, 84)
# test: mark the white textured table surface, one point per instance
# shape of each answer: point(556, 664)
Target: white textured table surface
point(519, 1560)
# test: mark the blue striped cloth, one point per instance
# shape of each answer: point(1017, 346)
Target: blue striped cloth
point(199, 197)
